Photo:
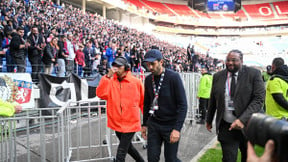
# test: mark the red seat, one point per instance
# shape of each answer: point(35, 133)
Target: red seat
point(137, 3)
point(214, 16)
point(201, 14)
point(181, 10)
point(159, 7)
point(281, 9)
point(259, 11)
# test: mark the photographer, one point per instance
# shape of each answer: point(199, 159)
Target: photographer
point(270, 132)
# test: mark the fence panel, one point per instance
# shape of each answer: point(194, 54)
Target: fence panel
point(89, 137)
point(36, 135)
point(191, 82)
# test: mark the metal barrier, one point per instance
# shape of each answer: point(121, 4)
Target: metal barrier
point(191, 82)
point(75, 132)
point(89, 137)
point(36, 135)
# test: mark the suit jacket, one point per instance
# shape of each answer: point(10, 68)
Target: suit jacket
point(248, 98)
point(32, 50)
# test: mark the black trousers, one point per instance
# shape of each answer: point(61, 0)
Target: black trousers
point(10, 63)
point(35, 61)
point(230, 142)
point(20, 63)
point(157, 135)
point(125, 146)
point(203, 105)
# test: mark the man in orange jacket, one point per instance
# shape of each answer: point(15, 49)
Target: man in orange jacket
point(125, 95)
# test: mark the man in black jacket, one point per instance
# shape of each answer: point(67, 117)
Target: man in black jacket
point(18, 48)
point(35, 49)
point(165, 108)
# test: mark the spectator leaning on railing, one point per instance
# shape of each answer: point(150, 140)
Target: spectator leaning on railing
point(8, 109)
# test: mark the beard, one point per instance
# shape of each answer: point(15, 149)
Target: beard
point(157, 71)
point(233, 70)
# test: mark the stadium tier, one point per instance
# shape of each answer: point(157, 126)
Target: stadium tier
point(260, 11)
point(275, 11)
point(238, 15)
point(181, 10)
point(159, 7)
point(281, 9)
point(138, 4)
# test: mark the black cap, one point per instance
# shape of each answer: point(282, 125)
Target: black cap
point(152, 55)
point(120, 61)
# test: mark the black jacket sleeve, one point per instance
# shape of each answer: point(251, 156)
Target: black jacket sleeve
point(147, 101)
point(279, 98)
point(32, 43)
point(15, 43)
point(48, 52)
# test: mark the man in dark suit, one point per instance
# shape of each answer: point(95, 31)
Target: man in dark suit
point(237, 92)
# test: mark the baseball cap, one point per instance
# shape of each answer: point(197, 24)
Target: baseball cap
point(152, 55)
point(120, 61)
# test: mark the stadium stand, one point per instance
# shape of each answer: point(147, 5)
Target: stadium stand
point(138, 4)
point(238, 16)
point(281, 9)
point(181, 10)
point(275, 11)
point(159, 7)
point(259, 11)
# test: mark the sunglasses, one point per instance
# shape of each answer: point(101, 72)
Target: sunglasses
point(116, 65)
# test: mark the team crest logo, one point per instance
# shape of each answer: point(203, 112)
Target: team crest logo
point(24, 91)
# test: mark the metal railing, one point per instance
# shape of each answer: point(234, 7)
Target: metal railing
point(191, 82)
point(74, 132)
point(36, 135)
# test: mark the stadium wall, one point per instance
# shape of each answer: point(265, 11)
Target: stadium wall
point(126, 18)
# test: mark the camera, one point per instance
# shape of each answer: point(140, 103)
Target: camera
point(261, 128)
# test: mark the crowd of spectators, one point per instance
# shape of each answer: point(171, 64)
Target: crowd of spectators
point(62, 39)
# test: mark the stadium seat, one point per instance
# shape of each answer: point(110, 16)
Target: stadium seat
point(260, 11)
point(137, 3)
point(181, 10)
point(281, 9)
point(159, 7)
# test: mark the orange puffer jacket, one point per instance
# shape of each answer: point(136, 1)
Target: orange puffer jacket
point(124, 102)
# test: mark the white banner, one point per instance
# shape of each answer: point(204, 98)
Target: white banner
point(17, 87)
